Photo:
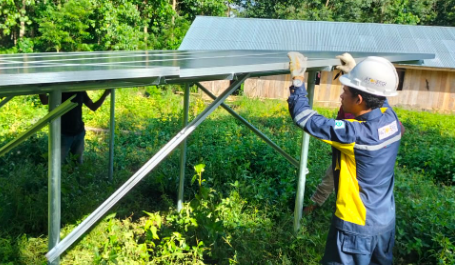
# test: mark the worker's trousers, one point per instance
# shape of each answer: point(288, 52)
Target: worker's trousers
point(73, 144)
point(353, 249)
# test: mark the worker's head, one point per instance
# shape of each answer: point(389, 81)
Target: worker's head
point(354, 101)
point(367, 85)
point(374, 75)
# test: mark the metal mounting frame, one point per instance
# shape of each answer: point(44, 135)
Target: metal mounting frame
point(143, 68)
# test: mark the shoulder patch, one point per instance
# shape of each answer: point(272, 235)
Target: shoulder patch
point(388, 130)
point(339, 124)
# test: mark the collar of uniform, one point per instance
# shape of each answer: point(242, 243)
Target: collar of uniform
point(370, 115)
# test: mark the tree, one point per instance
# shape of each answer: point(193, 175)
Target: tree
point(65, 28)
point(118, 26)
point(445, 13)
point(14, 18)
point(267, 8)
point(74, 25)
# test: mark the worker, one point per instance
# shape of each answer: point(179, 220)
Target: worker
point(72, 125)
point(362, 230)
point(325, 188)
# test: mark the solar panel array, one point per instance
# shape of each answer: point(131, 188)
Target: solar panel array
point(42, 72)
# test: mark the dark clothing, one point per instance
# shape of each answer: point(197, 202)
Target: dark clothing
point(352, 249)
point(73, 144)
point(72, 123)
point(365, 151)
point(363, 161)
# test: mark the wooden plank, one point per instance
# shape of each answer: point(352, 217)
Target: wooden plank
point(424, 91)
point(250, 87)
point(278, 85)
point(264, 89)
point(271, 90)
point(337, 90)
point(209, 86)
point(317, 89)
point(424, 68)
point(440, 91)
point(414, 88)
point(444, 96)
point(283, 86)
point(451, 103)
point(405, 94)
point(435, 87)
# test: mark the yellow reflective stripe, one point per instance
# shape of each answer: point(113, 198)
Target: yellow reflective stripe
point(349, 205)
point(344, 148)
point(353, 120)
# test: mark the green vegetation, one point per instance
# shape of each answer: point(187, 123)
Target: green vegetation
point(414, 12)
point(239, 192)
point(100, 25)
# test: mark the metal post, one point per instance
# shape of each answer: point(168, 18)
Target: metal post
point(303, 159)
point(54, 175)
point(186, 106)
point(251, 127)
point(111, 136)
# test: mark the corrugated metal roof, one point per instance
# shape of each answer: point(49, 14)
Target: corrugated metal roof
point(219, 33)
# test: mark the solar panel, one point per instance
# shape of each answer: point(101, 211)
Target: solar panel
point(41, 72)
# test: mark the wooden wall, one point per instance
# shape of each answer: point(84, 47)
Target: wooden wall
point(425, 89)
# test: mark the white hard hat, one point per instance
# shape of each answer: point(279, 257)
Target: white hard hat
point(374, 75)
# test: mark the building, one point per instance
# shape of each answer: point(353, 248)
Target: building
point(429, 86)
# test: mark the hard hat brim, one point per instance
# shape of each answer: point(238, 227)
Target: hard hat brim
point(345, 80)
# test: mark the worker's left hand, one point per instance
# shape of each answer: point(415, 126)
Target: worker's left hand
point(347, 63)
point(310, 208)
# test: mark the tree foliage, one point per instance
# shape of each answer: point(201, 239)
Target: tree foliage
point(415, 12)
point(86, 25)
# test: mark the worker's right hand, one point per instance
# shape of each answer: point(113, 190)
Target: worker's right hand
point(347, 62)
point(297, 67)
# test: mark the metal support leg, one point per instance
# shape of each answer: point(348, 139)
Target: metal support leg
point(186, 105)
point(251, 127)
point(54, 175)
point(5, 100)
point(141, 173)
point(112, 136)
point(52, 115)
point(303, 159)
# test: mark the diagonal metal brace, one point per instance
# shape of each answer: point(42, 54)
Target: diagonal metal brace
point(57, 112)
point(5, 100)
point(252, 128)
point(140, 174)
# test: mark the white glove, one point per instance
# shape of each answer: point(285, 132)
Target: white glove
point(347, 63)
point(297, 67)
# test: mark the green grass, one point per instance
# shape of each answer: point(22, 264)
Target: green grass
point(242, 213)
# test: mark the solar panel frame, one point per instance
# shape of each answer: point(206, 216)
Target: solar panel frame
point(76, 71)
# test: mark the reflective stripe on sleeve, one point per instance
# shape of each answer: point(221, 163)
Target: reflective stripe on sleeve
point(379, 146)
point(304, 114)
